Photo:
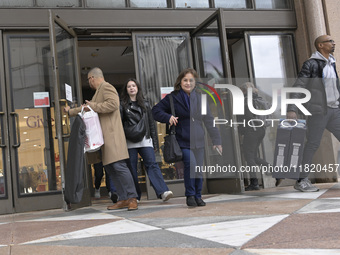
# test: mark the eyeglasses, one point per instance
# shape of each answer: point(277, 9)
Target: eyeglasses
point(331, 41)
point(89, 78)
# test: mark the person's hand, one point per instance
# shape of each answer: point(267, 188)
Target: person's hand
point(291, 115)
point(173, 120)
point(218, 148)
point(67, 108)
point(86, 109)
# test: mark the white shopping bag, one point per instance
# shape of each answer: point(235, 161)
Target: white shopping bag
point(94, 135)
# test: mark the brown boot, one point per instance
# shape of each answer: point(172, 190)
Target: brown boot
point(132, 204)
point(119, 205)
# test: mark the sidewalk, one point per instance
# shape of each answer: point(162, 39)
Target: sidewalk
point(272, 221)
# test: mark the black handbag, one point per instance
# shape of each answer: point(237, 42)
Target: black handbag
point(135, 133)
point(172, 152)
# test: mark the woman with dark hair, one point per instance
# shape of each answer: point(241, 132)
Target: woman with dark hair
point(141, 137)
point(189, 130)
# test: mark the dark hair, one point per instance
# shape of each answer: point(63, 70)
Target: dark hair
point(177, 85)
point(125, 98)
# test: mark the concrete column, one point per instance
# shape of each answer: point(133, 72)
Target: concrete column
point(316, 25)
point(315, 20)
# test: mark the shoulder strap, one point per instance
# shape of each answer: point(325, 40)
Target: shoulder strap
point(172, 128)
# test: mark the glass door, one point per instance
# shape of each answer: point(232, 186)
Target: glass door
point(160, 58)
point(212, 64)
point(66, 84)
point(30, 178)
point(6, 202)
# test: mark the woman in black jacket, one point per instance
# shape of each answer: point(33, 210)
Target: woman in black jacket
point(141, 136)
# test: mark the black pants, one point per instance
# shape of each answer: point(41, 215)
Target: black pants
point(251, 143)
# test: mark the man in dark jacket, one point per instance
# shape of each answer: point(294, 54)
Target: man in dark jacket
point(319, 76)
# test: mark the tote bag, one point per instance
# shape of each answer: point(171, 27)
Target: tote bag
point(94, 135)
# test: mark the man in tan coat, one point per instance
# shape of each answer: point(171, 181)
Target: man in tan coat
point(114, 151)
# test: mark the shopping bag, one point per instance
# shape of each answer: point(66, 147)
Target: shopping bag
point(94, 135)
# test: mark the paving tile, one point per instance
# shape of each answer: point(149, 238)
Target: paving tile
point(321, 205)
point(20, 232)
point(233, 208)
point(301, 231)
point(234, 233)
point(72, 250)
point(154, 238)
point(294, 251)
point(113, 228)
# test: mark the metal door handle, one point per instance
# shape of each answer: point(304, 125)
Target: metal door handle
point(67, 121)
point(2, 145)
point(17, 130)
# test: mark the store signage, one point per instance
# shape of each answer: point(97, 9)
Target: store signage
point(41, 99)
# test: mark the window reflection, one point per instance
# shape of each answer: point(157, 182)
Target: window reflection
point(16, 3)
point(274, 67)
point(272, 4)
point(192, 4)
point(148, 3)
point(106, 3)
point(237, 4)
point(58, 3)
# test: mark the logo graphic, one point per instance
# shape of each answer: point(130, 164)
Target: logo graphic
point(207, 91)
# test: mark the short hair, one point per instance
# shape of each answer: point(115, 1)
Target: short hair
point(318, 40)
point(96, 72)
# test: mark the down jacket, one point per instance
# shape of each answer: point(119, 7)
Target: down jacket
point(310, 77)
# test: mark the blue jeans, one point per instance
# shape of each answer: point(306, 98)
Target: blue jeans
point(151, 166)
point(98, 175)
point(193, 181)
point(316, 124)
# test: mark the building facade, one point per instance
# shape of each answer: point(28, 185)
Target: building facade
point(47, 47)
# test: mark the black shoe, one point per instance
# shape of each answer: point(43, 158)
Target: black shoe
point(278, 182)
point(191, 201)
point(199, 202)
point(114, 197)
point(252, 187)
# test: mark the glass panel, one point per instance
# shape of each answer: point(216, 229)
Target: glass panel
point(148, 3)
point(58, 3)
point(272, 4)
point(65, 48)
point(106, 3)
point(274, 68)
point(2, 155)
point(209, 53)
point(192, 3)
point(29, 73)
point(16, 3)
point(236, 4)
point(160, 60)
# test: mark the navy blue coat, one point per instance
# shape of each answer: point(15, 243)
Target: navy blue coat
point(189, 129)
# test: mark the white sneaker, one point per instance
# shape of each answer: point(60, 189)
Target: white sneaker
point(97, 193)
point(167, 195)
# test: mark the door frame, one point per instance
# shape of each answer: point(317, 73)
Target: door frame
point(221, 185)
point(54, 20)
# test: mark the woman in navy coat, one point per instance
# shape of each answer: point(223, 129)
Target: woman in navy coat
point(189, 130)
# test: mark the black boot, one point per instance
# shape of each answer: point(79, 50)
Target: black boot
point(254, 185)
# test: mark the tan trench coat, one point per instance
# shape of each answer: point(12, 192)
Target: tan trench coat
point(106, 103)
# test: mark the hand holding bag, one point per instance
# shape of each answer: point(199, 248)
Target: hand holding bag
point(172, 152)
point(94, 135)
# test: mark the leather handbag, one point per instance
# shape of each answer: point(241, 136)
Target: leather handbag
point(135, 132)
point(172, 152)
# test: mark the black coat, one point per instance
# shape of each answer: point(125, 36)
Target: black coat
point(310, 77)
point(132, 114)
point(74, 174)
point(189, 130)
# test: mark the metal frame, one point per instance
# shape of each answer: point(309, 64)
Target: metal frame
point(53, 20)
